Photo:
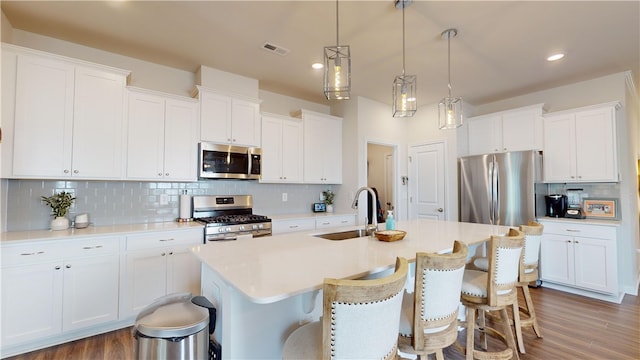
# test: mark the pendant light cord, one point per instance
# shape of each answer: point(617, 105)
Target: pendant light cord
point(337, 26)
point(449, 59)
point(403, 57)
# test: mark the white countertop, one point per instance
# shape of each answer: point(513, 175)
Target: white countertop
point(318, 215)
point(268, 269)
point(589, 221)
point(90, 231)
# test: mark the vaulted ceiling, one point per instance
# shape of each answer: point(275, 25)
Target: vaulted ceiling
point(500, 50)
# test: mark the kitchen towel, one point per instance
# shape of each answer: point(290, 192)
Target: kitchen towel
point(185, 207)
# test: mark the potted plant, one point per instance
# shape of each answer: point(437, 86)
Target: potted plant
point(60, 204)
point(328, 199)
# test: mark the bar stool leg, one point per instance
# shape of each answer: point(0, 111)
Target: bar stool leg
point(531, 311)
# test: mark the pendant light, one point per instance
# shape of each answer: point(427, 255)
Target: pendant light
point(404, 86)
point(450, 108)
point(337, 68)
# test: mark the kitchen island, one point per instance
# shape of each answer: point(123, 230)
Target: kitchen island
point(265, 287)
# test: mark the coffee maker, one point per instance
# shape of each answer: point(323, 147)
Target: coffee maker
point(556, 205)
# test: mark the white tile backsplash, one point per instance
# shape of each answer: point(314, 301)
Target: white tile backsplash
point(124, 202)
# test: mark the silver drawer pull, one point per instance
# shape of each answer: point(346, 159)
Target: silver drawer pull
point(167, 239)
point(326, 223)
point(92, 247)
point(293, 226)
point(344, 221)
point(33, 253)
point(572, 230)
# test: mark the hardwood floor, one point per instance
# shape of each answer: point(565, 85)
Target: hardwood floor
point(573, 327)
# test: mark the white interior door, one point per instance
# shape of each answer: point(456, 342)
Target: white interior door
point(427, 182)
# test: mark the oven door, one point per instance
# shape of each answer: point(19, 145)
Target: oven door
point(228, 162)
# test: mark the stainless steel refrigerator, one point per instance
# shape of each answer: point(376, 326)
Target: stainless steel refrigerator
point(500, 188)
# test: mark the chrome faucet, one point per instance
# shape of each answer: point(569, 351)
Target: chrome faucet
point(370, 229)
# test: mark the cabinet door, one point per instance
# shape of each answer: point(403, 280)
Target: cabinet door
point(595, 264)
point(181, 141)
point(322, 149)
point(595, 134)
point(31, 302)
point(90, 291)
point(215, 117)
point(521, 130)
point(183, 272)
point(145, 148)
point(315, 134)
point(97, 124)
point(245, 123)
point(559, 148)
point(485, 134)
point(556, 259)
point(272, 156)
point(43, 118)
point(291, 151)
point(146, 280)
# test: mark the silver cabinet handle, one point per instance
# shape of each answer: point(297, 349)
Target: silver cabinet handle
point(440, 209)
point(164, 254)
point(57, 267)
point(33, 253)
point(75, 171)
point(68, 266)
point(572, 230)
point(293, 226)
point(171, 239)
point(92, 247)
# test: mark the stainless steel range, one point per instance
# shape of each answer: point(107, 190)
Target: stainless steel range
point(227, 217)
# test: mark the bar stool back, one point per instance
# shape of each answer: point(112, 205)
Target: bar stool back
point(429, 321)
point(360, 320)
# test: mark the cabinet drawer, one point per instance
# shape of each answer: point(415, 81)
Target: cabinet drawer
point(333, 221)
point(91, 247)
point(285, 226)
point(164, 239)
point(582, 230)
point(31, 253)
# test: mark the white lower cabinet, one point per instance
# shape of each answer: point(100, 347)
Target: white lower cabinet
point(158, 264)
point(58, 286)
point(582, 256)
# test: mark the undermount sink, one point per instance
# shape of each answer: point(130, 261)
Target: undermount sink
point(343, 235)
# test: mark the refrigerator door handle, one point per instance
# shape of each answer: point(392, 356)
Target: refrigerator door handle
point(496, 192)
point(492, 192)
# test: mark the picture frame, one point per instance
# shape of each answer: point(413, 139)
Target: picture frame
point(600, 208)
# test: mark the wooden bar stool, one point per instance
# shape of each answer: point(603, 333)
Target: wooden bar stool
point(360, 320)
point(528, 273)
point(494, 290)
point(429, 321)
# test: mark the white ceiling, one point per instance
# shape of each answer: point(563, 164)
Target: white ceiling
point(499, 52)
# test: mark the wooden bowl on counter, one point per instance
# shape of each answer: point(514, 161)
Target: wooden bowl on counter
point(390, 235)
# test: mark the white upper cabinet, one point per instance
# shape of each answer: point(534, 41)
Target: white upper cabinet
point(162, 137)
point(511, 130)
point(322, 148)
point(229, 120)
point(580, 145)
point(281, 149)
point(68, 119)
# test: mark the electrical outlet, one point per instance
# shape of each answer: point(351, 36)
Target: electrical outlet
point(164, 199)
point(284, 197)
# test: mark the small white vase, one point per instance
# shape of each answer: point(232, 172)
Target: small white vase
point(329, 208)
point(60, 223)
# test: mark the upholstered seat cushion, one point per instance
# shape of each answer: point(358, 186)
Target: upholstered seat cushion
point(305, 342)
point(474, 282)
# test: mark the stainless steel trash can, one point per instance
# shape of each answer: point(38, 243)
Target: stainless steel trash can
point(172, 328)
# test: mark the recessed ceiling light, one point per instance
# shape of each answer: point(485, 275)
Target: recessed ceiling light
point(317, 66)
point(555, 57)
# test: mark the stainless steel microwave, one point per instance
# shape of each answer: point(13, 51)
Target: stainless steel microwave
point(217, 161)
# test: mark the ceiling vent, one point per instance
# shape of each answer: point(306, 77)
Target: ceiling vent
point(276, 49)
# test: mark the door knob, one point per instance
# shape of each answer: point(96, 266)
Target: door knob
point(440, 209)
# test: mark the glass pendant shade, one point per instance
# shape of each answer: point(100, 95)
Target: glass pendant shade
point(337, 72)
point(450, 113)
point(405, 103)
